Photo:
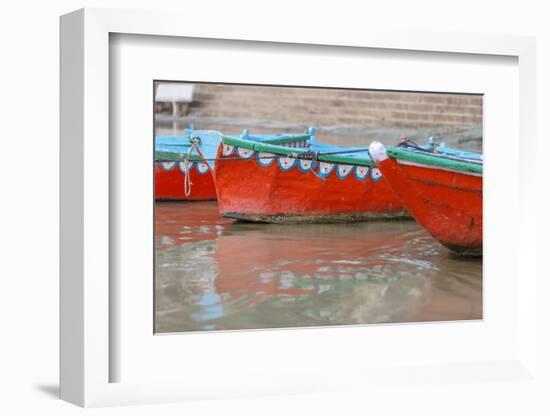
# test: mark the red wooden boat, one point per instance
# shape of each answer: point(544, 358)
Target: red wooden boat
point(170, 182)
point(181, 171)
point(442, 189)
point(293, 178)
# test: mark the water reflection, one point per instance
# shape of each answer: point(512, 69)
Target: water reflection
point(213, 273)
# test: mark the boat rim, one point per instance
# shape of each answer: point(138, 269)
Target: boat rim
point(435, 160)
point(276, 147)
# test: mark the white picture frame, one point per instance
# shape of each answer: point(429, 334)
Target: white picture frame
point(86, 355)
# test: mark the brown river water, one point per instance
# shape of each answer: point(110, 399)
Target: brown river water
point(213, 273)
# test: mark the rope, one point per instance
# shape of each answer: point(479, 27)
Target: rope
point(187, 184)
point(308, 155)
point(240, 159)
point(187, 177)
point(345, 152)
point(187, 180)
point(197, 148)
point(409, 144)
point(312, 170)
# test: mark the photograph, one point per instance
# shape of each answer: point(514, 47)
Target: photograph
point(297, 207)
point(270, 208)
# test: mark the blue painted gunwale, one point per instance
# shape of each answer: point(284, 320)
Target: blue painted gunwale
point(168, 148)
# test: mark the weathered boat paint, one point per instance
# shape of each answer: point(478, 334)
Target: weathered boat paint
point(293, 187)
point(181, 173)
point(443, 192)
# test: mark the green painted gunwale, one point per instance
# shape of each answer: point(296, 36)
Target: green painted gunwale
point(272, 146)
point(174, 156)
point(434, 160)
point(289, 139)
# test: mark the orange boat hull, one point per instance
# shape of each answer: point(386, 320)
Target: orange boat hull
point(273, 192)
point(448, 204)
point(170, 183)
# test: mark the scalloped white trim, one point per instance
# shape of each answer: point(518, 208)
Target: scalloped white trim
point(182, 165)
point(227, 149)
point(265, 159)
point(375, 174)
point(326, 168)
point(202, 167)
point(168, 165)
point(306, 165)
point(245, 153)
point(344, 170)
point(361, 172)
point(287, 163)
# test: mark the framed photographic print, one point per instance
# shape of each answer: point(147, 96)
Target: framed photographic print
point(269, 213)
point(297, 228)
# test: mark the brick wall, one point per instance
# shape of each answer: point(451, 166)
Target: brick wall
point(313, 106)
point(344, 117)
